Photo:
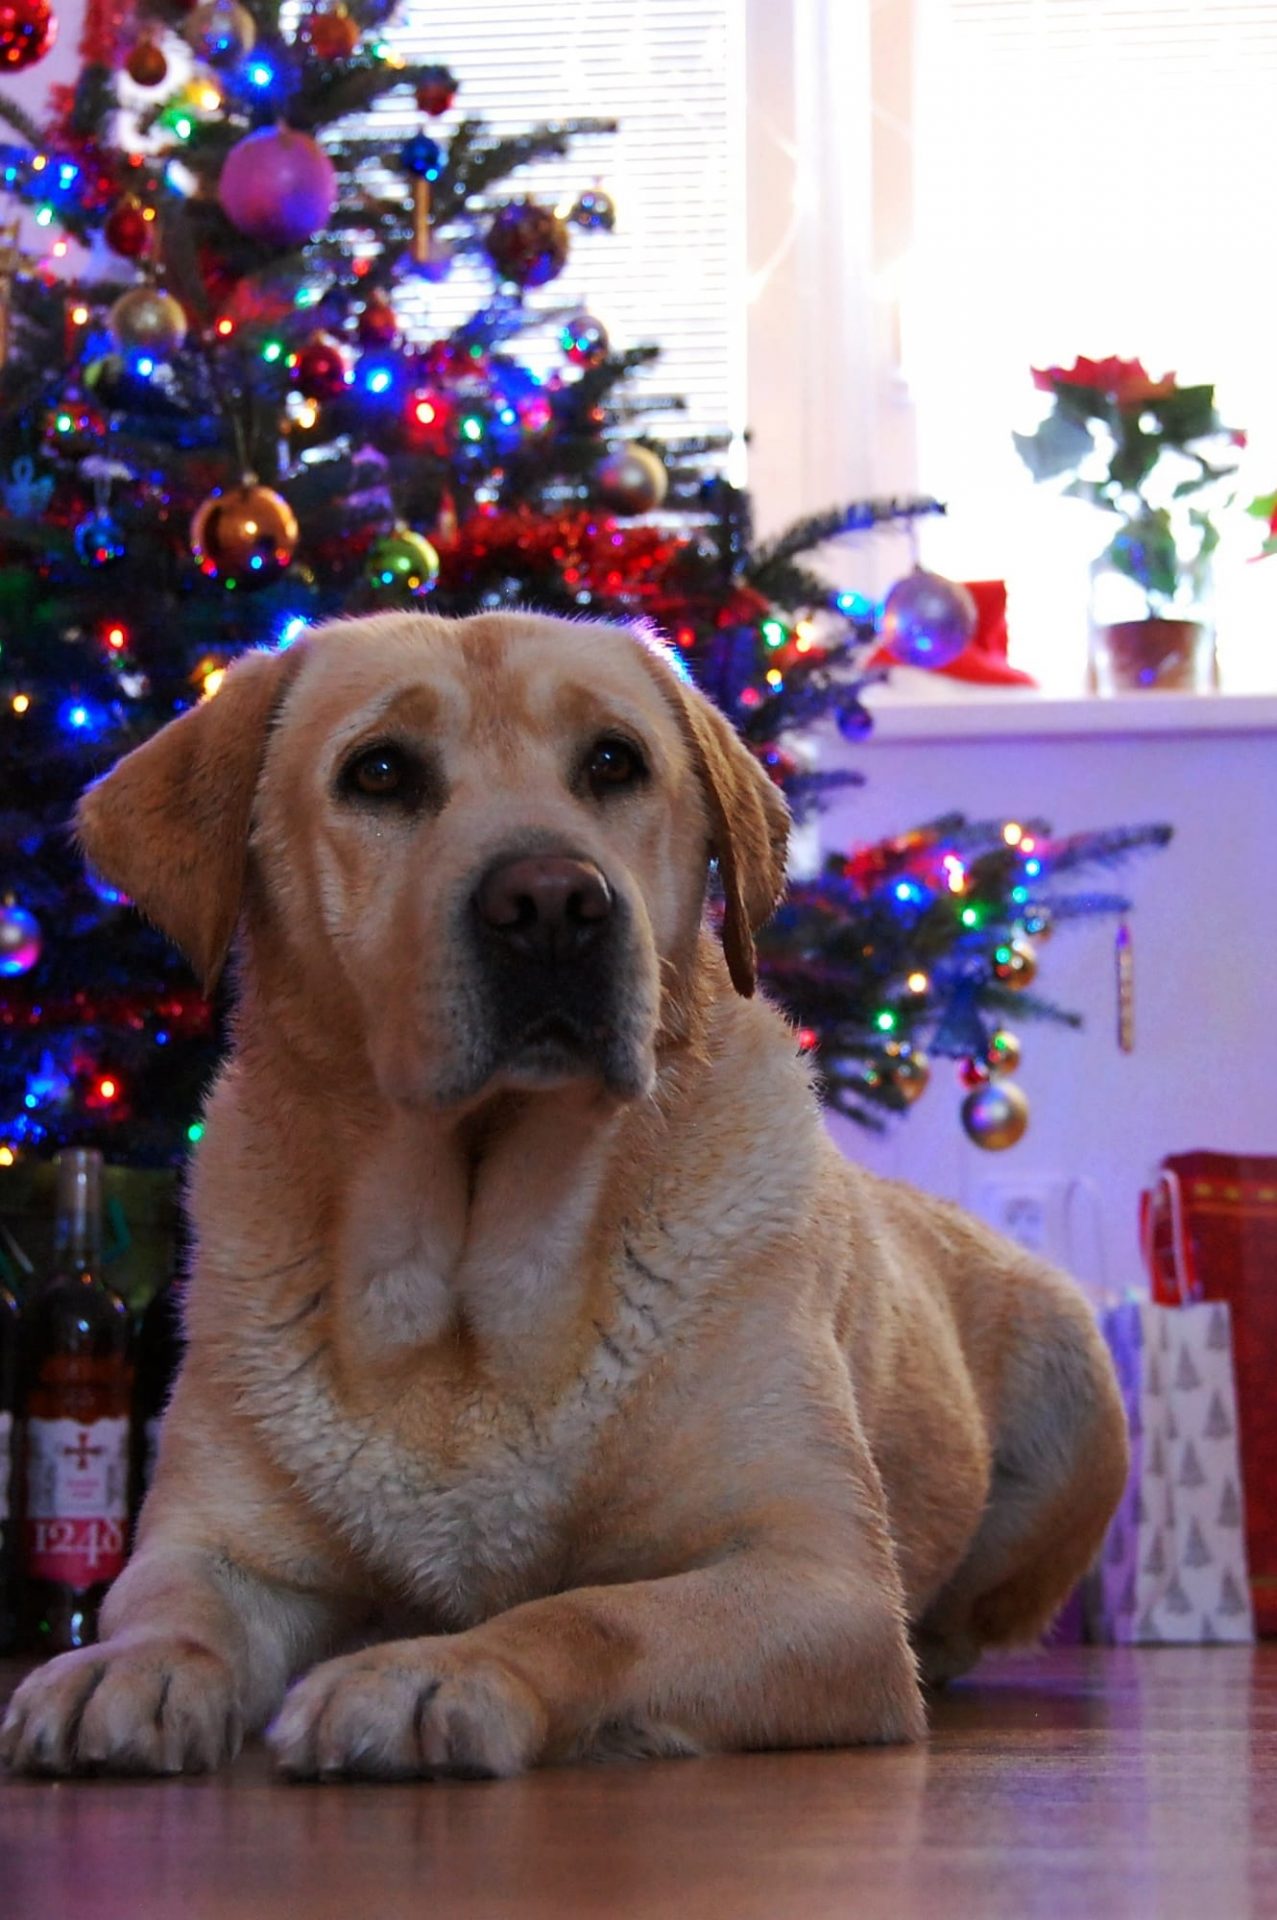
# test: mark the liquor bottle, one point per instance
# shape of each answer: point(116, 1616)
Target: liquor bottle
point(76, 1397)
point(9, 1338)
point(159, 1354)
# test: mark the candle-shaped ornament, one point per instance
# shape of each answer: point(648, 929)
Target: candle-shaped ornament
point(422, 161)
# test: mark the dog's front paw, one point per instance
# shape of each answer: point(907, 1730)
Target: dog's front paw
point(410, 1710)
point(141, 1706)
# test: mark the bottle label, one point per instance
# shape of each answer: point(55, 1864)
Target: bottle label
point(77, 1500)
point(6, 1460)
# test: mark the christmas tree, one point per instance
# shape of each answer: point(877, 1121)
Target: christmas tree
point(230, 432)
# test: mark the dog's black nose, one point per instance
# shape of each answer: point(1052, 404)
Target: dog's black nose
point(546, 906)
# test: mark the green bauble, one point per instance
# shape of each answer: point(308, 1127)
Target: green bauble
point(402, 563)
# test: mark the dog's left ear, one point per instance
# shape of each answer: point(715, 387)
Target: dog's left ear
point(749, 829)
point(169, 824)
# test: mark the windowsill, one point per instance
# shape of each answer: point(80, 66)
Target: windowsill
point(902, 710)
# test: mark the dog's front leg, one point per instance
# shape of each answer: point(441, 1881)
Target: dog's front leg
point(762, 1649)
point(223, 1601)
point(194, 1650)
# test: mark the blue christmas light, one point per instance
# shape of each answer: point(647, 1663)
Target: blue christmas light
point(1033, 868)
point(144, 365)
point(259, 73)
point(377, 377)
point(855, 606)
point(82, 716)
point(291, 628)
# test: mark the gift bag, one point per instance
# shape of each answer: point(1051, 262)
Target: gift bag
point(1173, 1566)
point(1209, 1227)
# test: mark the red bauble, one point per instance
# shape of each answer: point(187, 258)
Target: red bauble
point(331, 33)
point(146, 65)
point(322, 369)
point(527, 244)
point(378, 324)
point(436, 96)
point(972, 1073)
point(278, 185)
point(28, 28)
point(127, 230)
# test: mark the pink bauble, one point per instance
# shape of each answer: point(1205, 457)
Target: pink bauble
point(278, 185)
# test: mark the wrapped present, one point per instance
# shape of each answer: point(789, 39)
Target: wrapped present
point(1173, 1567)
point(1209, 1226)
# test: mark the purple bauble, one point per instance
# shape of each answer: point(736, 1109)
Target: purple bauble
point(19, 940)
point(278, 185)
point(927, 621)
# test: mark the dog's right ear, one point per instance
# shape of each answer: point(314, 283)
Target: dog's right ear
point(169, 824)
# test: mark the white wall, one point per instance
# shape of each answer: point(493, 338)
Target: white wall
point(1204, 1069)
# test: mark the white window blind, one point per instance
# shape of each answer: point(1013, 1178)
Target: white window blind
point(1092, 176)
point(670, 72)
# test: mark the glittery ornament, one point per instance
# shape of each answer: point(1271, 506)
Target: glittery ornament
point(927, 621)
point(378, 323)
point(147, 320)
point(403, 563)
point(244, 536)
point(330, 32)
point(146, 65)
point(28, 28)
point(631, 479)
point(322, 370)
point(593, 211)
point(527, 244)
point(127, 231)
point(584, 340)
point(1002, 1055)
point(20, 939)
point(278, 185)
point(436, 94)
point(995, 1116)
point(99, 539)
point(1015, 965)
point(220, 31)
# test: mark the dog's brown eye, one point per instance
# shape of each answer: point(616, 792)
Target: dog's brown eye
point(614, 763)
point(380, 773)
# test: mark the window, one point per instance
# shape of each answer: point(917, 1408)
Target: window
point(1090, 176)
point(669, 72)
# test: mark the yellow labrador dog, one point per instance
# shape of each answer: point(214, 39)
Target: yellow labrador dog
point(554, 1386)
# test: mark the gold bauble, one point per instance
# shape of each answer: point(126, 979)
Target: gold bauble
point(631, 479)
point(995, 1117)
point(147, 320)
point(1015, 965)
point(244, 535)
point(908, 1071)
point(1002, 1055)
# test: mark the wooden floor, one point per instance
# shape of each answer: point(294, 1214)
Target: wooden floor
point(1077, 1782)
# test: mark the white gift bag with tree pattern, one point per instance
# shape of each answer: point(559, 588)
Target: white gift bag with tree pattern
point(1173, 1568)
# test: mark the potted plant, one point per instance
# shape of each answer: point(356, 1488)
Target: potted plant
point(1152, 454)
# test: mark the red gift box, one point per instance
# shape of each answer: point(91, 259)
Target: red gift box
point(1209, 1229)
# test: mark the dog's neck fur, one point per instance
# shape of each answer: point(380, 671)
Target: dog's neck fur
point(428, 1225)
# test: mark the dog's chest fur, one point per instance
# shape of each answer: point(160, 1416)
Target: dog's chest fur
point(461, 1500)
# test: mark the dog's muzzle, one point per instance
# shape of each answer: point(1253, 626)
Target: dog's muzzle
point(550, 939)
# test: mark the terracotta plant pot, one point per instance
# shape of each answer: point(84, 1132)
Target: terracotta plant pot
point(1166, 656)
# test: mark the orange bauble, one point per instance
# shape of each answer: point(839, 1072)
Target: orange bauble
point(245, 535)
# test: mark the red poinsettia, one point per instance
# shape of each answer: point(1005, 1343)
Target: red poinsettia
point(1127, 383)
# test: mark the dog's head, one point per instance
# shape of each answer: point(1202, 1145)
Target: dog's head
point(483, 843)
